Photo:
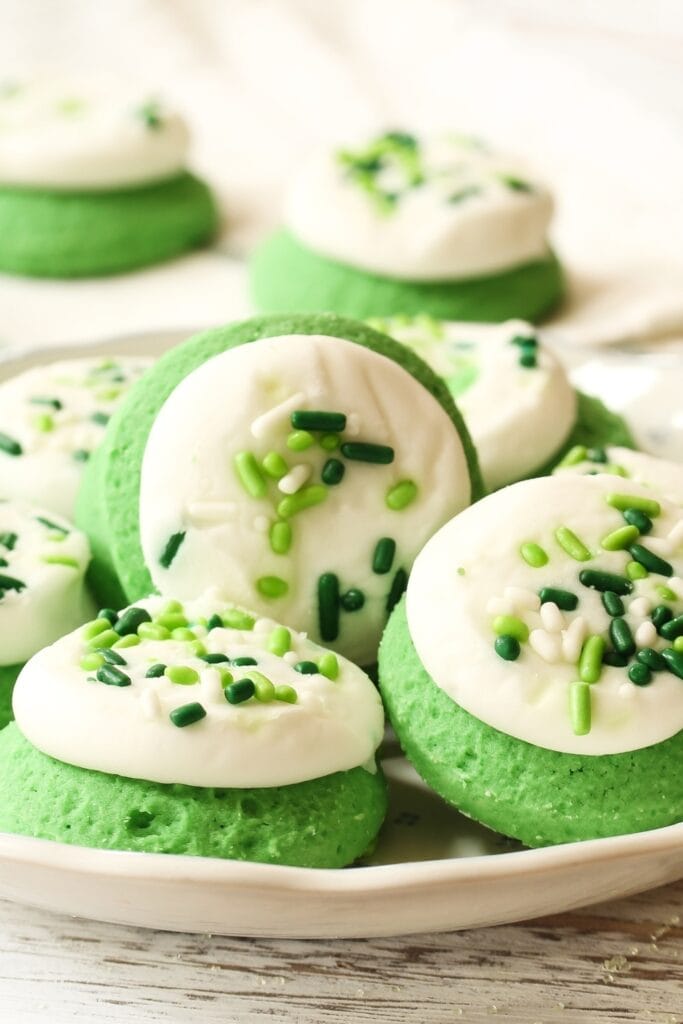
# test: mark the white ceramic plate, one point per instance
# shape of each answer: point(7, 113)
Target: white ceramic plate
point(432, 870)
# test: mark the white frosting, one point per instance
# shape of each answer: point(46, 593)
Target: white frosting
point(242, 401)
point(424, 234)
point(472, 571)
point(518, 416)
point(86, 134)
point(658, 474)
point(335, 725)
point(53, 599)
point(48, 471)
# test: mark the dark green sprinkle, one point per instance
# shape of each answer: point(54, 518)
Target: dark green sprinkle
point(11, 583)
point(187, 714)
point(111, 656)
point(383, 556)
point(52, 403)
point(307, 668)
point(596, 455)
point(650, 561)
point(403, 139)
point(353, 600)
point(9, 540)
point(564, 599)
point(246, 660)
point(239, 691)
point(507, 647)
point(670, 630)
point(101, 418)
point(640, 674)
point(52, 525)
point(661, 615)
point(674, 661)
point(150, 114)
point(330, 422)
point(515, 184)
point(464, 193)
point(80, 455)
point(398, 585)
point(171, 549)
point(652, 659)
point(112, 676)
point(528, 360)
point(109, 614)
point(634, 517)
point(333, 471)
point(155, 671)
point(3, 563)
point(215, 622)
point(612, 603)
point(597, 580)
point(214, 659)
point(615, 659)
point(621, 637)
point(525, 341)
point(9, 445)
point(131, 619)
point(360, 451)
point(328, 606)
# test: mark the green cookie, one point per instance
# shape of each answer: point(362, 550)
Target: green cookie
point(287, 275)
point(85, 234)
point(8, 677)
point(324, 823)
point(536, 795)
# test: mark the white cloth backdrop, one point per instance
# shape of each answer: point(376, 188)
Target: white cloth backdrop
point(591, 93)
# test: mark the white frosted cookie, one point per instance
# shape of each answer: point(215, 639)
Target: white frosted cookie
point(659, 474)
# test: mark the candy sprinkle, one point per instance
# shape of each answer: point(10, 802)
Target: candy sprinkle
point(623, 502)
point(328, 666)
point(131, 619)
point(272, 586)
point(511, 625)
point(634, 517)
point(353, 600)
point(187, 714)
point(533, 554)
point(621, 636)
point(333, 472)
point(597, 580)
point(285, 693)
point(383, 556)
point(280, 641)
point(507, 647)
point(612, 603)
point(249, 474)
point(570, 543)
point(590, 662)
point(328, 606)
point(640, 674)
point(564, 599)
point(619, 539)
point(401, 495)
point(171, 549)
point(398, 586)
point(112, 676)
point(307, 497)
point(240, 691)
point(580, 708)
point(304, 419)
point(649, 560)
point(361, 451)
point(306, 668)
point(9, 446)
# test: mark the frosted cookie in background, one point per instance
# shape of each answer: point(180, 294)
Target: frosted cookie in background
point(94, 179)
point(660, 474)
point(534, 672)
point(513, 392)
point(406, 224)
point(196, 728)
point(52, 418)
point(43, 561)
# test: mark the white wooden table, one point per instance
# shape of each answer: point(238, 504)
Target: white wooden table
point(610, 964)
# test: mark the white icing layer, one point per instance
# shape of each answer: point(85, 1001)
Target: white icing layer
point(335, 724)
point(518, 415)
point(472, 571)
point(241, 402)
point(658, 474)
point(49, 411)
point(42, 588)
point(438, 208)
point(86, 134)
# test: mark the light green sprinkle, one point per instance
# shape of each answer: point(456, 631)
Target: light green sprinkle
point(183, 675)
point(300, 440)
point(510, 625)
point(225, 674)
point(666, 593)
point(107, 638)
point(280, 537)
point(533, 554)
point(153, 631)
point(621, 502)
point(130, 640)
point(274, 465)
point(183, 633)
point(197, 647)
point(401, 495)
point(575, 455)
point(590, 662)
point(678, 643)
point(330, 442)
point(328, 666)
point(92, 629)
point(614, 469)
point(250, 475)
point(235, 618)
point(635, 571)
point(280, 640)
point(570, 543)
point(263, 688)
point(286, 693)
point(91, 662)
point(272, 586)
point(173, 606)
point(44, 422)
point(580, 708)
point(67, 560)
point(619, 539)
point(171, 620)
point(307, 497)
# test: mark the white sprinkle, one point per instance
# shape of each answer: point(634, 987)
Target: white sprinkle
point(551, 617)
point(675, 535)
point(211, 686)
point(640, 607)
point(274, 417)
point(291, 657)
point(646, 634)
point(353, 424)
point(149, 702)
point(522, 599)
point(263, 626)
point(261, 524)
point(202, 512)
point(572, 639)
point(547, 645)
point(295, 479)
point(498, 606)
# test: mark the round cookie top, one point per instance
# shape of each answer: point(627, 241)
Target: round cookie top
point(513, 392)
point(43, 560)
point(51, 420)
point(201, 693)
point(659, 474)
point(302, 474)
point(421, 209)
point(78, 134)
point(553, 611)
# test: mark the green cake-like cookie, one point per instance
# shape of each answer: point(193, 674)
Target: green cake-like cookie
point(287, 275)
point(596, 427)
point(8, 677)
point(66, 234)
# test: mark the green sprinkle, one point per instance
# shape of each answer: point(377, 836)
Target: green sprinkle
point(580, 708)
point(187, 714)
point(383, 556)
point(303, 419)
point(575, 455)
point(515, 183)
point(570, 543)
point(171, 620)
point(353, 600)
point(590, 662)
point(44, 422)
point(275, 466)
point(240, 691)
point(598, 455)
point(511, 625)
point(650, 561)
point(92, 629)
point(564, 599)
point(182, 675)
point(197, 647)
point(307, 497)
point(171, 549)
point(597, 580)
point(635, 571)
point(244, 660)
point(361, 451)
point(150, 115)
point(612, 603)
point(250, 475)
point(678, 643)
point(235, 618)
point(153, 631)
point(666, 593)
point(636, 518)
point(306, 668)
point(173, 606)
point(672, 629)
point(215, 622)
point(112, 676)
point(130, 640)
point(401, 495)
point(215, 659)
point(398, 586)
point(9, 540)
point(52, 403)
point(11, 583)
point(280, 537)
point(528, 360)
point(107, 638)
point(330, 442)
point(614, 659)
point(272, 586)
point(131, 619)
point(80, 455)
point(286, 693)
point(264, 691)
point(464, 193)
point(624, 502)
point(91, 662)
point(619, 539)
point(9, 446)
point(280, 641)
point(507, 647)
point(660, 615)
point(300, 440)
point(112, 657)
point(101, 418)
point(183, 633)
point(328, 606)
point(533, 554)
point(674, 661)
point(621, 636)
point(640, 674)
point(653, 659)
point(328, 666)
point(66, 560)
point(109, 614)
point(333, 472)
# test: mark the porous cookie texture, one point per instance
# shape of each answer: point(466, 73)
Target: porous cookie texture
point(660, 474)
point(304, 490)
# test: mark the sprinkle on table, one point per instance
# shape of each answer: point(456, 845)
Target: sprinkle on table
point(249, 474)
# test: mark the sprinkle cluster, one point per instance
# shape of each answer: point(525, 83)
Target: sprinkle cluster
point(10, 548)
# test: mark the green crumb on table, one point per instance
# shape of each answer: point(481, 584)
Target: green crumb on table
point(533, 554)
point(580, 708)
point(171, 549)
point(249, 474)
point(272, 586)
point(187, 714)
point(401, 495)
point(571, 544)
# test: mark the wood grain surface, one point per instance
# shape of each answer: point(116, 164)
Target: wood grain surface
point(613, 963)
